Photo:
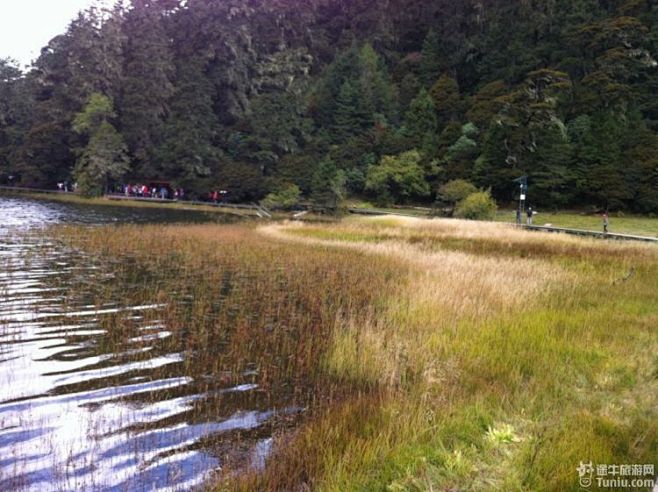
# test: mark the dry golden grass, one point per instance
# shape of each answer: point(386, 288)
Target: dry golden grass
point(443, 289)
point(453, 280)
point(455, 336)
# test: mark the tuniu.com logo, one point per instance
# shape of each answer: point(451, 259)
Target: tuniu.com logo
point(618, 476)
point(585, 473)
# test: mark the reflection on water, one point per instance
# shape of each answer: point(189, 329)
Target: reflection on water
point(85, 408)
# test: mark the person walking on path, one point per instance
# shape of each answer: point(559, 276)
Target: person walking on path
point(606, 222)
point(530, 212)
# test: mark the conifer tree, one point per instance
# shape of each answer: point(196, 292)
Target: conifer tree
point(105, 157)
point(147, 83)
point(350, 117)
point(432, 62)
point(186, 152)
point(447, 101)
point(420, 124)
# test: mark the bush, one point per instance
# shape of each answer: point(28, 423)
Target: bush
point(456, 190)
point(398, 178)
point(477, 206)
point(286, 198)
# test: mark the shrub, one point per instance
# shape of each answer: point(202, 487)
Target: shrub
point(477, 206)
point(397, 178)
point(456, 190)
point(285, 198)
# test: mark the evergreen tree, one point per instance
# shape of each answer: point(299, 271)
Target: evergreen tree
point(105, 156)
point(187, 153)
point(378, 94)
point(496, 167)
point(146, 86)
point(600, 159)
point(420, 124)
point(96, 53)
point(432, 62)
point(350, 118)
point(214, 93)
point(447, 101)
point(354, 94)
point(328, 186)
point(549, 170)
point(409, 88)
point(487, 103)
point(459, 157)
point(324, 99)
point(16, 106)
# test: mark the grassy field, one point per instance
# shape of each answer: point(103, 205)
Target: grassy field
point(430, 355)
point(619, 223)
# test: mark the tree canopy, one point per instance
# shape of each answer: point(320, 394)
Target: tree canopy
point(392, 99)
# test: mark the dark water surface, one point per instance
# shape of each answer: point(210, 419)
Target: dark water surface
point(83, 410)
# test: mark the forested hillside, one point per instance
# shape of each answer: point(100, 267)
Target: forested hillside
point(386, 99)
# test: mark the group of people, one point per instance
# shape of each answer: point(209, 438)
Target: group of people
point(218, 196)
point(66, 186)
point(529, 213)
point(146, 191)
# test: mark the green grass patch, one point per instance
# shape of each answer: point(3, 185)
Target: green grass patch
point(619, 223)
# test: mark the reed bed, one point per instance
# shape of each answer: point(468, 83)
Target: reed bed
point(264, 304)
point(429, 355)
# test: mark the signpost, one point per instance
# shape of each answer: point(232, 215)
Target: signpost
point(523, 182)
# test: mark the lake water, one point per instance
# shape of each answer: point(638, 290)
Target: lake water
point(85, 409)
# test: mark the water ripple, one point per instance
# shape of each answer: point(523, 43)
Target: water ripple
point(81, 410)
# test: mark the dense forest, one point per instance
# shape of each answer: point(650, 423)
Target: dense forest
point(331, 98)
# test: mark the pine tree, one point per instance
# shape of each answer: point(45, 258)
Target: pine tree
point(328, 186)
point(187, 152)
point(601, 151)
point(432, 63)
point(211, 92)
point(105, 156)
point(486, 103)
point(447, 101)
point(323, 102)
point(420, 124)
point(409, 88)
point(549, 170)
point(350, 117)
point(377, 94)
point(16, 114)
point(147, 83)
point(96, 53)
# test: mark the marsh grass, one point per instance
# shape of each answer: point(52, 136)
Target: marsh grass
point(514, 331)
point(261, 298)
point(429, 355)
